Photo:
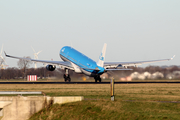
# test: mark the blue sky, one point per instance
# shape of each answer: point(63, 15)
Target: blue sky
point(133, 30)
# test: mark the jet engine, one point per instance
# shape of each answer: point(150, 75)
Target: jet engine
point(51, 67)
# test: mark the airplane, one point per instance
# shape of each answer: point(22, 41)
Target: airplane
point(80, 63)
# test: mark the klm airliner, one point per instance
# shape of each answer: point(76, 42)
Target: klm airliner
point(80, 63)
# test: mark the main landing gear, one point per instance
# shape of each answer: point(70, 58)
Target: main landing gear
point(97, 78)
point(67, 76)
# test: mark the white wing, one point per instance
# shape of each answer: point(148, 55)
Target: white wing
point(61, 64)
point(126, 64)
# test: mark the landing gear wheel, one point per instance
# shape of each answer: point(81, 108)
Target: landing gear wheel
point(67, 78)
point(97, 78)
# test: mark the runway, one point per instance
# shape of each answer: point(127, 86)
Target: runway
point(86, 82)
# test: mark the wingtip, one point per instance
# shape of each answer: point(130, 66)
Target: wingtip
point(5, 53)
point(173, 57)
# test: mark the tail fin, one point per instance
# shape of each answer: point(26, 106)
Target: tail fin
point(102, 56)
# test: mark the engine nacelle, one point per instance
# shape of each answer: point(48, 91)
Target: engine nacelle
point(51, 67)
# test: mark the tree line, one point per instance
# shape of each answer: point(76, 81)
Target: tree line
point(20, 73)
point(23, 70)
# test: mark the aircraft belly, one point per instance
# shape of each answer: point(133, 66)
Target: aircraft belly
point(88, 73)
point(63, 58)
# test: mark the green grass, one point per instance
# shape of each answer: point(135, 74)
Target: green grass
point(132, 101)
point(106, 109)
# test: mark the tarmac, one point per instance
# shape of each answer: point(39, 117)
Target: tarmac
point(177, 82)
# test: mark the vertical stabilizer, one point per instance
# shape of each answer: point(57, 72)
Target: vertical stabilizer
point(102, 56)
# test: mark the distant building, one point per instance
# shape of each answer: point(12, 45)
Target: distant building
point(173, 75)
point(170, 76)
point(129, 78)
point(134, 75)
point(157, 75)
point(146, 75)
point(31, 77)
point(137, 76)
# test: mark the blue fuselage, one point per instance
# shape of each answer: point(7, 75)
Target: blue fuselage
point(85, 64)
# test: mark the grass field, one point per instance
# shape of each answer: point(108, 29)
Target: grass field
point(132, 101)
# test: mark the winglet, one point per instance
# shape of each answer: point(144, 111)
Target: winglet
point(5, 53)
point(173, 57)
